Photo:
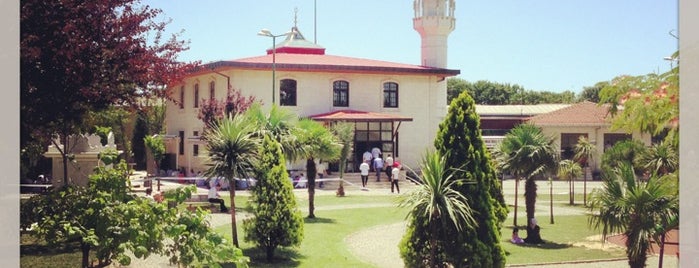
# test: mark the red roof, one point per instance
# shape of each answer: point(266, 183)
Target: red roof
point(328, 63)
point(580, 114)
point(358, 116)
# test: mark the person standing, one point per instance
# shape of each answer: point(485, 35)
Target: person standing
point(364, 172)
point(378, 167)
point(321, 169)
point(375, 152)
point(214, 197)
point(388, 164)
point(366, 157)
point(396, 177)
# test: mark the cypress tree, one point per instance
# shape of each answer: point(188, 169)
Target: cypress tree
point(276, 220)
point(459, 139)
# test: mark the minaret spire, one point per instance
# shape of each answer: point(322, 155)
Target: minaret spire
point(434, 20)
point(296, 17)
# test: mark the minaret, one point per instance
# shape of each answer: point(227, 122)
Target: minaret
point(434, 20)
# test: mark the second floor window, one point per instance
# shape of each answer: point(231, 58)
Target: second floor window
point(341, 93)
point(287, 92)
point(196, 95)
point(390, 95)
point(182, 97)
point(212, 90)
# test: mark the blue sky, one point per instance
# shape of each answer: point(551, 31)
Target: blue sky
point(541, 45)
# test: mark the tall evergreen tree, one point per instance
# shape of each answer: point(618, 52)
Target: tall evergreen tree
point(276, 220)
point(459, 140)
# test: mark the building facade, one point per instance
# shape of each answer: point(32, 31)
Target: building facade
point(395, 107)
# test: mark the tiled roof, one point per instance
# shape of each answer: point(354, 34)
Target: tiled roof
point(517, 110)
point(358, 116)
point(328, 63)
point(580, 114)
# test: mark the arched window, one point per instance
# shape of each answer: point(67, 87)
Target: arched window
point(196, 95)
point(182, 97)
point(212, 90)
point(287, 92)
point(390, 95)
point(341, 93)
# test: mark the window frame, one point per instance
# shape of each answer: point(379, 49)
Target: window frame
point(181, 97)
point(340, 88)
point(389, 94)
point(212, 90)
point(196, 95)
point(285, 87)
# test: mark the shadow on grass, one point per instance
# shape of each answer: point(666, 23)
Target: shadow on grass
point(283, 257)
point(318, 220)
point(546, 245)
point(31, 245)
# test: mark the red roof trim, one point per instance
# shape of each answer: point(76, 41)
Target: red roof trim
point(298, 50)
point(358, 116)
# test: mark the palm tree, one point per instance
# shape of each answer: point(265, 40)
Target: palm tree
point(280, 124)
point(567, 169)
point(642, 211)
point(660, 159)
point(584, 154)
point(525, 152)
point(232, 152)
point(320, 143)
point(437, 202)
point(345, 134)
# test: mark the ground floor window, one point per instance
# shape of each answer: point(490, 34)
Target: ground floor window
point(568, 142)
point(612, 138)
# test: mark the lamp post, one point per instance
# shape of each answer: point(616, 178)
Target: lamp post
point(267, 33)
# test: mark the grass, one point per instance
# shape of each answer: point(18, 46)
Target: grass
point(34, 252)
point(323, 244)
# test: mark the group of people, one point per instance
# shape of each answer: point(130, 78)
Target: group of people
point(373, 161)
point(533, 234)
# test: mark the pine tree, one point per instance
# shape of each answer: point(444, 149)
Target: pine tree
point(276, 220)
point(459, 140)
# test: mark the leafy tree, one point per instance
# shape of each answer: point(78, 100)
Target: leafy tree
point(526, 152)
point(232, 152)
point(213, 110)
point(584, 154)
point(459, 141)
point(651, 102)
point(642, 211)
point(591, 93)
point(567, 169)
point(345, 134)
point(78, 56)
point(107, 219)
point(436, 207)
point(276, 220)
point(320, 143)
point(624, 152)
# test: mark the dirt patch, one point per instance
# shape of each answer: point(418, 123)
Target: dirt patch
point(378, 245)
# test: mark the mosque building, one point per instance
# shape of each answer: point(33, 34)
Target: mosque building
point(396, 107)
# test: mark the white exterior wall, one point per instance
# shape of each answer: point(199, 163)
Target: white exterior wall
point(594, 134)
point(421, 97)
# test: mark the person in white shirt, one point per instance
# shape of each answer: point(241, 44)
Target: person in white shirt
point(396, 177)
point(301, 183)
point(364, 172)
point(214, 197)
point(388, 163)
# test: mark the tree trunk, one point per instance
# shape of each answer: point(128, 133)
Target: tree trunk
point(551, 199)
point(516, 197)
point(64, 155)
point(270, 252)
point(234, 225)
point(433, 244)
point(311, 170)
point(662, 250)
point(85, 248)
point(585, 186)
point(572, 190)
point(530, 198)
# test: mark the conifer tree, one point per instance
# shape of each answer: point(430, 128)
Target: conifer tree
point(276, 220)
point(459, 140)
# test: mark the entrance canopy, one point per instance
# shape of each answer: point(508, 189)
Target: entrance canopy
point(358, 116)
point(371, 130)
